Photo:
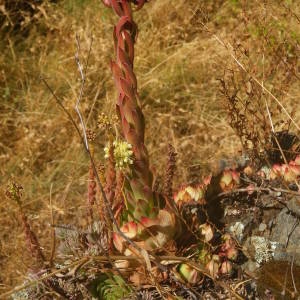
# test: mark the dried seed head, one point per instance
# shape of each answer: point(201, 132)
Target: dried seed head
point(104, 122)
point(14, 192)
point(91, 135)
point(169, 176)
point(101, 168)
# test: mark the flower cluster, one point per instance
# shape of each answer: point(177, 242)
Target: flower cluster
point(123, 154)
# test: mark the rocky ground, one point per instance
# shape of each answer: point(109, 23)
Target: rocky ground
point(248, 216)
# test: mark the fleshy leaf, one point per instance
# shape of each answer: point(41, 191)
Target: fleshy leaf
point(189, 274)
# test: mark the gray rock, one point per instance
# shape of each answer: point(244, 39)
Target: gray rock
point(237, 230)
point(280, 253)
point(294, 205)
point(241, 227)
point(260, 249)
point(250, 266)
point(286, 233)
point(262, 227)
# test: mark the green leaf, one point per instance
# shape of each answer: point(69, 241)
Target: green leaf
point(110, 287)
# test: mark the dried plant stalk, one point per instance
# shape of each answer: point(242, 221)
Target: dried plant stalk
point(14, 192)
point(169, 176)
point(91, 192)
point(91, 180)
point(110, 176)
point(32, 242)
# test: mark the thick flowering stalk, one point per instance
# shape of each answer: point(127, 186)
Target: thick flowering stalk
point(149, 226)
point(131, 116)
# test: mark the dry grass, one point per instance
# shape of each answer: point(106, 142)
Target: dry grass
point(177, 64)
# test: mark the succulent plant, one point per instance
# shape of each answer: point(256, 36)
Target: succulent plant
point(148, 224)
point(213, 266)
point(226, 268)
point(229, 180)
point(248, 170)
point(207, 231)
point(229, 247)
point(110, 287)
point(149, 233)
point(289, 172)
point(191, 194)
point(189, 274)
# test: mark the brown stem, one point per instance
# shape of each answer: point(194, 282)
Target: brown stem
point(91, 192)
point(33, 244)
point(110, 176)
point(169, 176)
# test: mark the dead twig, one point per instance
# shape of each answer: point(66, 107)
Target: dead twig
point(259, 189)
